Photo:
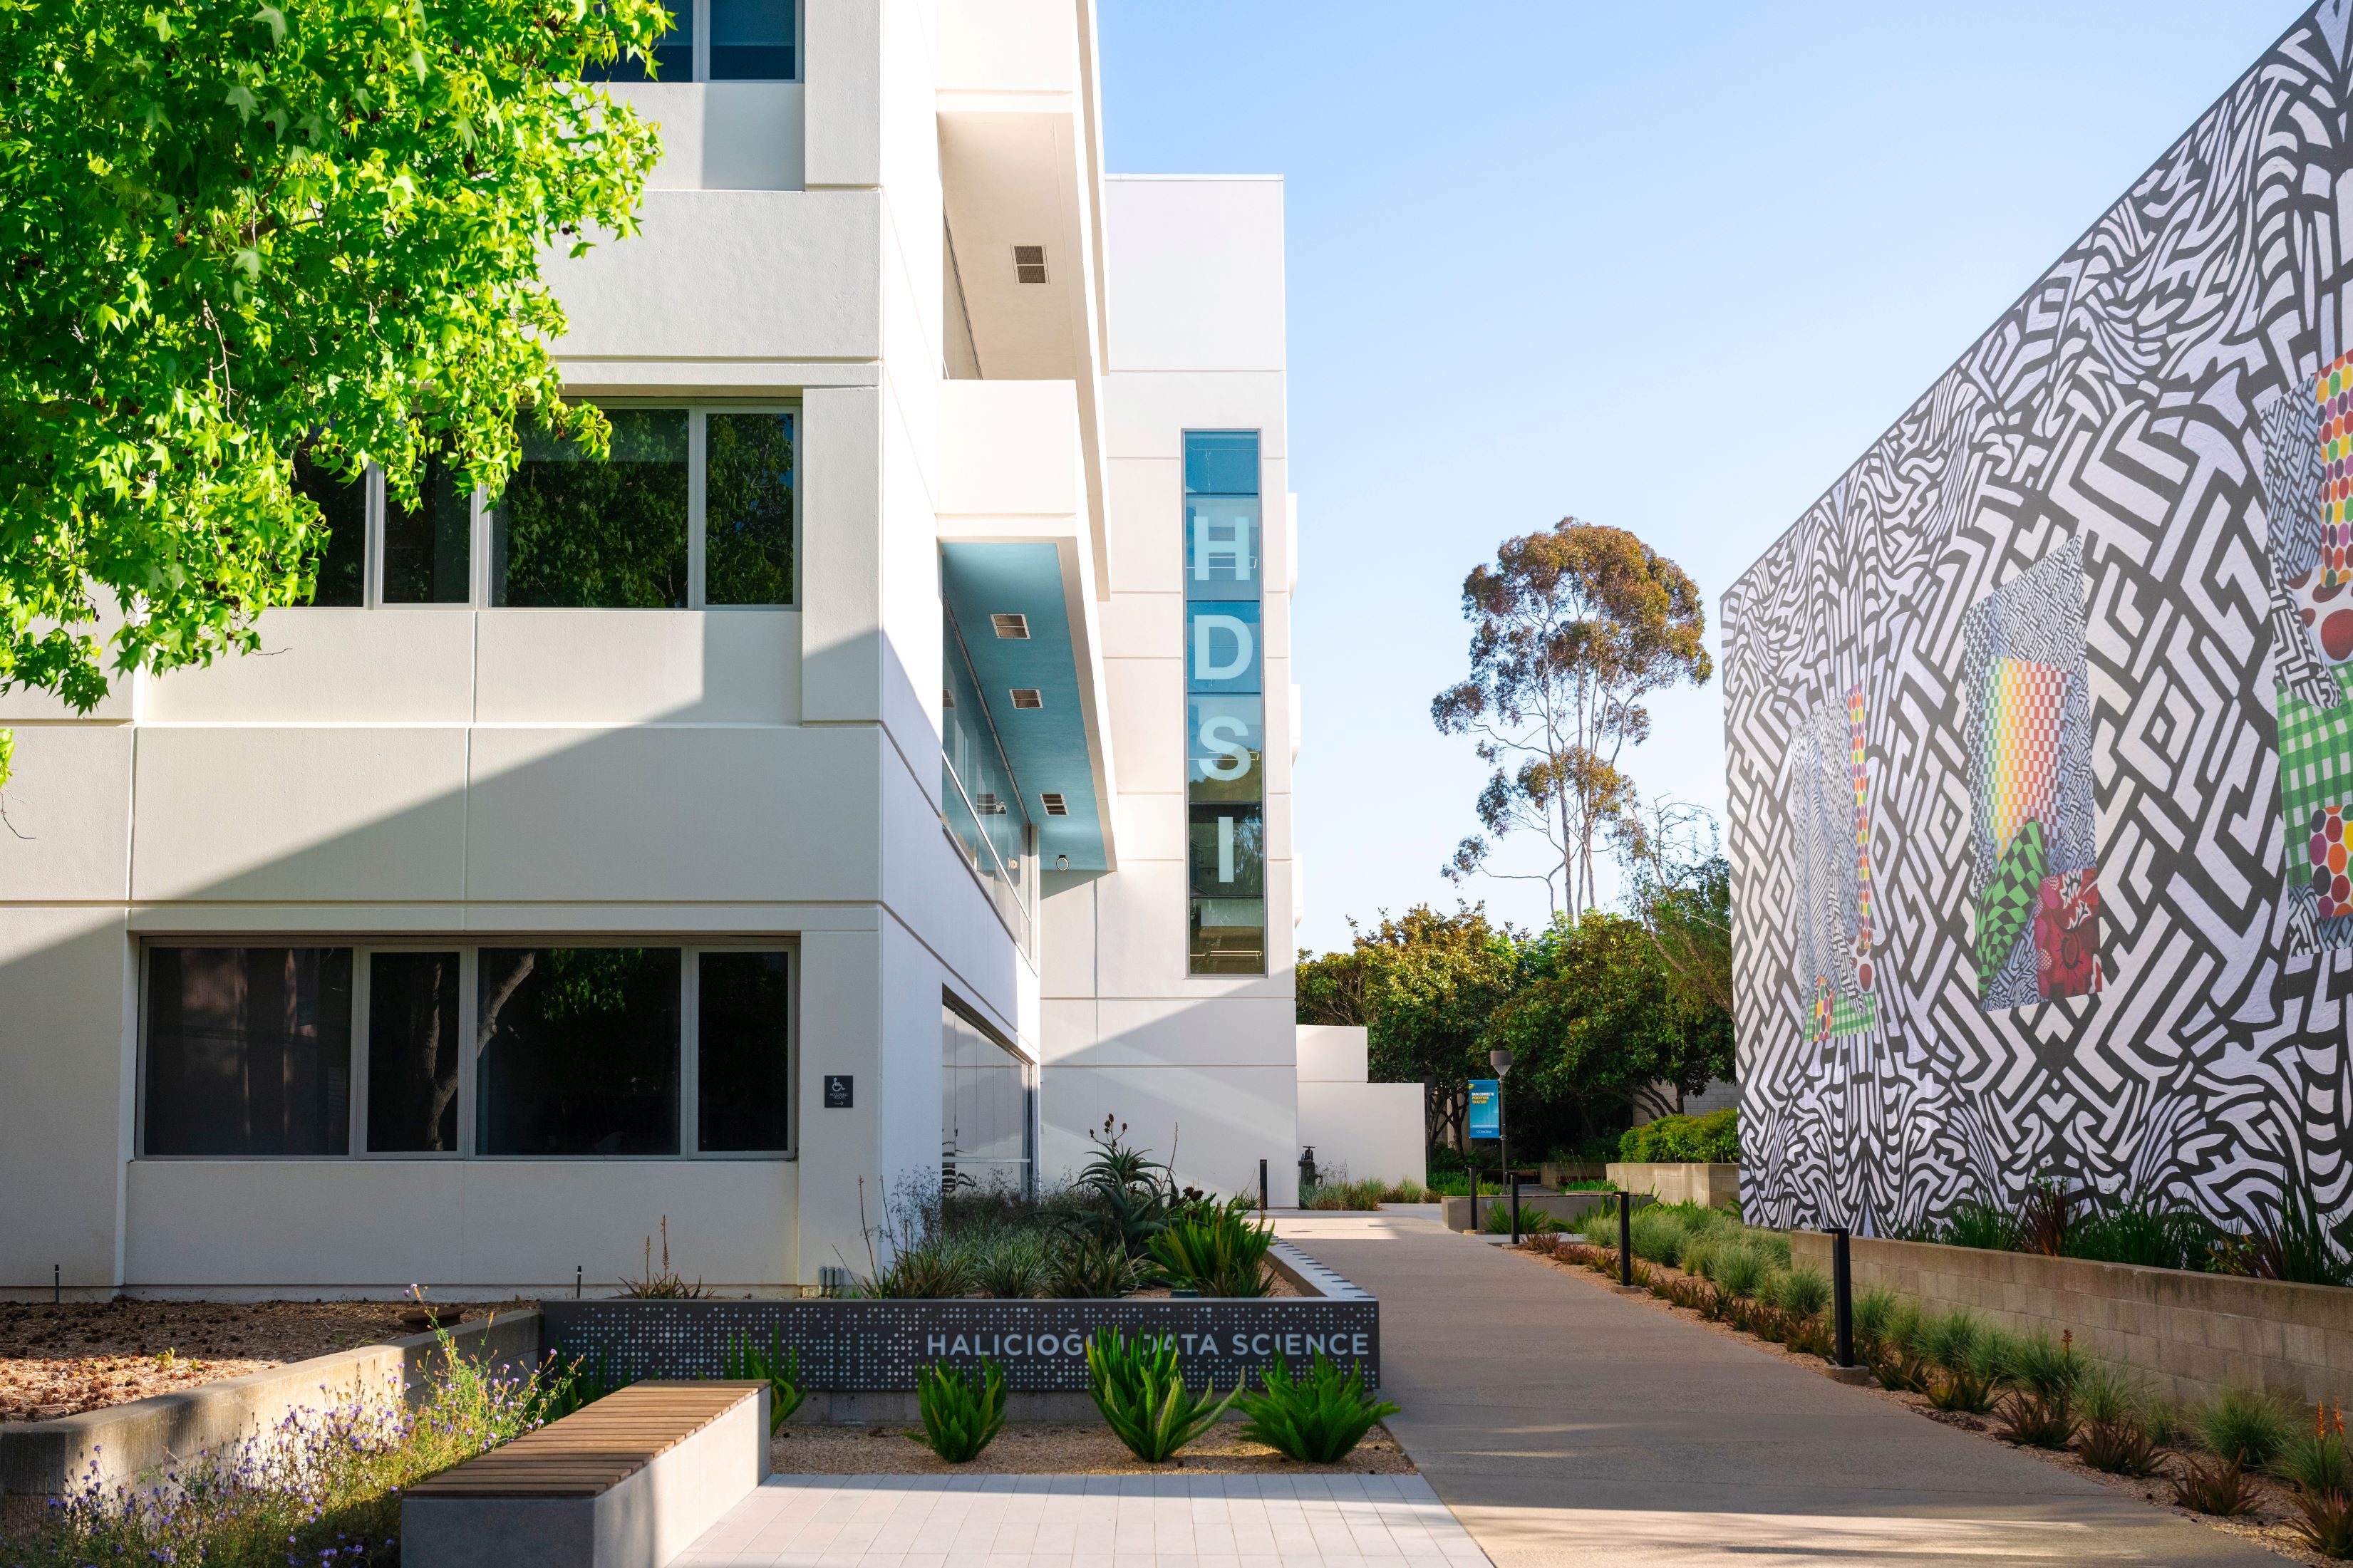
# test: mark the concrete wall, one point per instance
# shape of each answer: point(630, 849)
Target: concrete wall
point(1714, 1186)
point(2195, 1334)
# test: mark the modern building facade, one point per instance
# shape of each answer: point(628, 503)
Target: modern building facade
point(880, 770)
point(2039, 764)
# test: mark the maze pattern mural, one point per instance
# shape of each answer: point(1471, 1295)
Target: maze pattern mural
point(2088, 609)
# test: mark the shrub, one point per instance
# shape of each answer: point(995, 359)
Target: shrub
point(777, 1367)
point(2315, 1462)
point(932, 1269)
point(1224, 1255)
point(961, 1410)
point(1804, 1292)
point(2288, 1243)
point(1140, 1389)
point(2244, 1424)
point(1496, 1220)
point(2043, 1367)
point(1409, 1191)
point(1738, 1268)
point(1975, 1224)
point(1317, 1419)
point(1875, 1314)
point(1089, 1268)
point(2213, 1486)
point(2326, 1525)
point(1962, 1363)
point(1659, 1235)
point(2139, 1233)
point(1012, 1267)
point(2037, 1420)
point(1712, 1138)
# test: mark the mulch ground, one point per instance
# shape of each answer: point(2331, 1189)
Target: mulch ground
point(84, 1355)
point(2266, 1527)
point(1056, 1448)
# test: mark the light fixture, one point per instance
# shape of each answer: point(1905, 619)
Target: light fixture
point(1012, 628)
point(1027, 697)
point(1062, 862)
point(1029, 264)
point(1500, 1059)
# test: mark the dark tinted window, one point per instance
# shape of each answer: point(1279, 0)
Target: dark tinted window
point(752, 40)
point(673, 57)
point(342, 507)
point(742, 1057)
point(248, 1051)
point(412, 1053)
point(572, 532)
point(427, 549)
point(747, 509)
point(580, 1053)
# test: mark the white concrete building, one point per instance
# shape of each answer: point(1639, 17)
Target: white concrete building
point(731, 832)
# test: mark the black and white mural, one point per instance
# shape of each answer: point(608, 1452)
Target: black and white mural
point(2040, 724)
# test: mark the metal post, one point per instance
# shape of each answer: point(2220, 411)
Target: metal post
point(56, 1283)
point(1504, 1137)
point(578, 1269)
point(1473, 1166)
point(1842, 1296)
point(1516, 1208)
point(1262, 1189)
point(1626, 1238)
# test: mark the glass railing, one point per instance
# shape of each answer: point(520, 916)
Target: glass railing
point(981, 803)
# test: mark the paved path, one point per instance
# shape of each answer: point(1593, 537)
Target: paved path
point(1568, 1426)
point(1087, 1521)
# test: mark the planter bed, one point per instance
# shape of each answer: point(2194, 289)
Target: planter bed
point(1059, 1449)
point(2194, 1333)
point(879, 1347)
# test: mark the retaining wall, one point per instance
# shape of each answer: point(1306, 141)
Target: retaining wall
point(2194, 1333)
point(1714, 1186)
point(43, 1458)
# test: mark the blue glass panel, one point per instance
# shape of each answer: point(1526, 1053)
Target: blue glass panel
point(673, 57)
point(1222, 647)
point(1225, 748)
point(752, 40)
point(1221, 462)
point(1224, 544)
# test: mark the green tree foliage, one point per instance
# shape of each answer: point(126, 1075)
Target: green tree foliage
point(1572, 627)
point(1679, 885)
point(229, 229)
point(1423, 985)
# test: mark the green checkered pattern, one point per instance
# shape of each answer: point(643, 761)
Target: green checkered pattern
point(2316, 748)
point(2009, 901)
point(1853, 1018)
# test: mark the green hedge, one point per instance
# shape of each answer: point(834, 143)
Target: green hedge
point(1712, 1138)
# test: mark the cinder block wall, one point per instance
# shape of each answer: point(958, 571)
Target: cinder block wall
point(2194, 1334)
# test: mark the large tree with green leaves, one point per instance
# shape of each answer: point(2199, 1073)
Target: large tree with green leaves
point(1572, 627)
point(231, 228)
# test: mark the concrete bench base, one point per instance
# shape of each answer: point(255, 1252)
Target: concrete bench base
point(641, 1520)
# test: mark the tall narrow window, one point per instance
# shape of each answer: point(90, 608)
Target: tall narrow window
point(579, 1052)
point(747, 509)
point(987, 1101)
point(743, 1057)
point(752, 40)
point(573, 531)
point(1225, 759)
point(343, 509)
point(429, 549)
point(412, 1053)
point(248, 1051)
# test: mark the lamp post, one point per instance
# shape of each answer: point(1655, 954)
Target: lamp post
point(1500, 1059)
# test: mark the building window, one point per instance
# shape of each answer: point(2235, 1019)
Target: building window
point(344, 509)
point(1224, 754)
point(568, 1052)
point(988, 1094)
point(573, 533)
point(429, 549)
point(750, 40)
point(981, 801)
point(248, 1051)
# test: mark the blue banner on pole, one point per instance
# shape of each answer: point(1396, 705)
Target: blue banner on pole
point(1486, 1108)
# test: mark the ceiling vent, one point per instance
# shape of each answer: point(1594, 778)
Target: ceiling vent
point(1054, 803)
point(1027, 697)
point(947, 697)
point(986, 804)
point(1030, 263)
point(1012, 628)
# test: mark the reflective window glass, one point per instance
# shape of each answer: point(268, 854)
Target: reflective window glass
point(752, 40)
point(1222, 547)
point(248, 1051)
point(342, 508)
point(1221, 462)
point(1225, 751)
point(573, 533)
point(428, 550)
point(580, 1051)
point(747, 509)
point(985, 1100)
point(1228, 851)
point(743, 1057)
point(1227, 936)
point(673, 57)
point(412, 1053)
point(1221, 646)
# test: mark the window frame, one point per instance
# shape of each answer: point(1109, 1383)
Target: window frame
point(1184, 800)
point(699, 18)
point(480, 523)
point(469, 947)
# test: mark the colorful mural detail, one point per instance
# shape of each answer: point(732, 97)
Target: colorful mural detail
point(1829, 796)
point(2023, 683)
point(2067, 934)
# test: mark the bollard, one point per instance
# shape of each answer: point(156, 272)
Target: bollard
point(1626, 1238)
point(1262, 1189)
point(1516, 1208)
point(1841, 1296)
point(56, 1283)
point(576, 1271)
point(1474, 1200)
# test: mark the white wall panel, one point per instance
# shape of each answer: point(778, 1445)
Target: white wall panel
point(1199, 265)
point(1146, 511)
point(1143, 625)
point(300, 813)
point(64, 979)
point(1208, 1031)
point(841, 557)
point(67, 832)
point(407, 666)
point(1147, 722)
point(844, 74)
point(644, 667)
point(1148, 412)
point(1221, 1122)
point(1364, 1131)
point(1066, 944)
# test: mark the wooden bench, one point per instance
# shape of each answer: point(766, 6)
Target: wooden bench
point(627, 1482)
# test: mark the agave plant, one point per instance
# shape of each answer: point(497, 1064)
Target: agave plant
point(1318, 1418)
point(1139, 1388)
point(962, 1409)
point(1088, 1266)
point(1225, 1256)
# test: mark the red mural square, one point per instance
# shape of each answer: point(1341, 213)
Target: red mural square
point(2067, 934)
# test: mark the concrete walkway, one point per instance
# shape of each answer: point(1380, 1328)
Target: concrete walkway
point(1569, 1427)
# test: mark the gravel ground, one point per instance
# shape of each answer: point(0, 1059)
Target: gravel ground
point(2266, 1527)
point(63, 1359)
point(1039, 1448)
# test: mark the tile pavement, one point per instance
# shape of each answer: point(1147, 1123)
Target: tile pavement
point(1088, 1522)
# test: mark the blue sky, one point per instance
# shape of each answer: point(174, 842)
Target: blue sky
point(1671, 268)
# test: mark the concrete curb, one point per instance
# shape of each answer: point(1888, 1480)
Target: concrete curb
point(122, 1443)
